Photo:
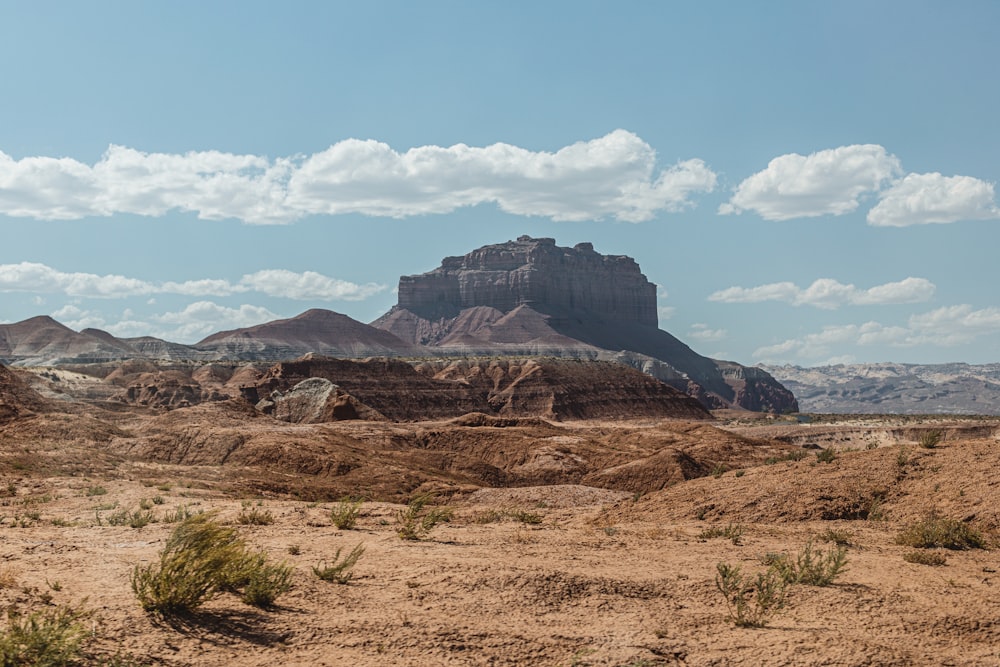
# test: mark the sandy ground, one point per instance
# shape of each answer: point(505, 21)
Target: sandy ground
point(583, 587)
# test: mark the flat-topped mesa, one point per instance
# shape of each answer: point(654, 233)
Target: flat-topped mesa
point(536, 273)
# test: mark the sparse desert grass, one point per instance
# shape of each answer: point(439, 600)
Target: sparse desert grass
point(96, 491)
point(925, 558)
point(941, 533)
point(345, 514)
point(254, 516)
point(750, 601)
point(841, 538)
point(417, 519)
point(793, 455)
point(202, 559)
point(732, 532)
point(8, 577)
point(498, 515)
point(339, 571)
point(134, 519)
point(47, 637)
point(180, 513)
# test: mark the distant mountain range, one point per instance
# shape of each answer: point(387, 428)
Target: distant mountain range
point(527, 297)
point(956, 388)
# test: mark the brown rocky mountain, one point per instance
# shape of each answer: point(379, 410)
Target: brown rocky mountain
point(314, 331)
point(41, 341)
point(958, 389)
point(531, 296)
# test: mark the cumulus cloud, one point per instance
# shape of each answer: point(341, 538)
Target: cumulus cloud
point(828, 182)
point(614, 176)
point(920, 199)
point(944, 327)
point(830, 294)
point(308, 285)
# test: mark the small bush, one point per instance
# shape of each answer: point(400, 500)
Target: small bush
point(417, 520)
point(47, 637)
point(96, 491)
point(732, 532)
point(345, 514)
point(751, 602)
point(339, 572)
point(201, 559)
point(940, 533)
point(261, 583)
point(925, 558)
point(812, 568)
point(719, 470)
point(930, 439)
point(826, 456)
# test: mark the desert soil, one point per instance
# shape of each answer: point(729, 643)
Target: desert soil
point(605, 578)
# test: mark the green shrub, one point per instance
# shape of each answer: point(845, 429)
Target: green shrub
point(202, 559)
point(940, 533)
point(417, 520)
point(339, 572)
point(345, 514)
point(812, 568)
point(258, 582)
point(930, 439)
point(96, 491)
point(48, 637)
point(751, 602)
point(826, 456)
point(925, 558)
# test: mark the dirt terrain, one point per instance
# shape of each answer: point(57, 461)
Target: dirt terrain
point(580, 542)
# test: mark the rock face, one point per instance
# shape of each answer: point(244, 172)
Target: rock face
point(17, 399)
point(531, 297)
point(536, 273)
point(316, 401)
point(549, 388)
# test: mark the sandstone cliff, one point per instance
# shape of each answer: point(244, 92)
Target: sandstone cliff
point(536, 273)
point(530, 297)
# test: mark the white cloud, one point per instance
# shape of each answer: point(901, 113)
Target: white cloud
point(829, 294)
point(703, 333)
point(828, 182)
point(308, 285)
point(614, 176)
point(920, 199)
point(943, 327)
point(34, 277)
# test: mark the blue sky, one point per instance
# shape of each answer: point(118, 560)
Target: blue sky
point(806, 182)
